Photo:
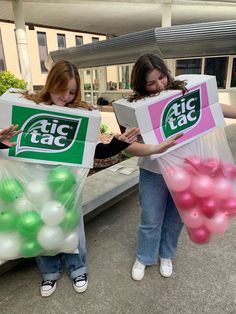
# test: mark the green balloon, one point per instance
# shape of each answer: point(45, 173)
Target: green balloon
point(61, 179)
point(10, 189)
point(30, 248)
point(67, 199)
point(8, 220)
point(71, 219)
point(28, 223)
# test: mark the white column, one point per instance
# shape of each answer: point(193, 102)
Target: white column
point(21, 41)
point(166, 14)
point(102, 80)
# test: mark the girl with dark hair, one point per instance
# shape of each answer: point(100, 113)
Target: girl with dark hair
point(160, 224)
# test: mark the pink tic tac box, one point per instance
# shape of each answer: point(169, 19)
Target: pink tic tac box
point(159, 117)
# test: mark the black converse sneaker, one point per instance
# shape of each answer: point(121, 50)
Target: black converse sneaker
point(80, 283)
point(48, 287)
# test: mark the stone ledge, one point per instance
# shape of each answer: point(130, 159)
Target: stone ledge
point(105, 188)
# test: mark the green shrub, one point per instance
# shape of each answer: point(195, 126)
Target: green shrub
point(8, 80)
point(127, 154)
point(104, 128)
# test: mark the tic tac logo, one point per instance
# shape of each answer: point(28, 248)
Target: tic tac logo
point(47, 133)
point(181, 114)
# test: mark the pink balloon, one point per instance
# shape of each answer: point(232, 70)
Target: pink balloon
point(202, 186)
point(185, 200)
point(228, 206)
point(212, 167)
point(223, 188)
point(199, 235)
point(218, 223)
point(192, 218)
point(192, 164)
point(230, 171)
point(208, 206)
point(177, 179)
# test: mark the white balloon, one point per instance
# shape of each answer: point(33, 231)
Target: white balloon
point(9, 246)
point(22, 204)
point(71, 242)
point(53, 213)
point(50, 238)
point(38, 192)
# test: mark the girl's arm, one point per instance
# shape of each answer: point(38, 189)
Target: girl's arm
point(117, 144)
point(141, 150)
point(228, 111)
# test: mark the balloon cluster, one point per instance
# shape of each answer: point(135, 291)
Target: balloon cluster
point(38, 218)
point(203, 192)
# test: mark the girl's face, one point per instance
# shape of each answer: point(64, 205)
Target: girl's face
point(61, 98)
point(155, 82)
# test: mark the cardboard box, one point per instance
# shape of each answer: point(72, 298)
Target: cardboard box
point(159, 117)
point(51, 134)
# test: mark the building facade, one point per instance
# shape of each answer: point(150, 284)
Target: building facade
point(111, 81)
point(41, 41)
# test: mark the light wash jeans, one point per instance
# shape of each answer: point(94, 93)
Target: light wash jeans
point(160, 224)
point(51, 266)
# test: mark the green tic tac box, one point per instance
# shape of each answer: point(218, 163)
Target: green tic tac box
point(50, 134)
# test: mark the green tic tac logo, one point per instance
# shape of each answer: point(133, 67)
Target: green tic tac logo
point(47, 133)
point(181, 114)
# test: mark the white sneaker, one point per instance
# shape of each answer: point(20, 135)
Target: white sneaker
point(138, 270)
point(48, 287)
point(166, 267)
point(80, 283)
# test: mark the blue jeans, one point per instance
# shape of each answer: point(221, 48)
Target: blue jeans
point(51, 266)
point(160, 224)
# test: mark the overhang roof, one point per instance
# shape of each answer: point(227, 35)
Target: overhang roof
point(118, 17)
point(191, 40)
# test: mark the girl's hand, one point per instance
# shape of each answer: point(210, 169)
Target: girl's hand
point(129, 136)
point(7, 133)
point(163, 146)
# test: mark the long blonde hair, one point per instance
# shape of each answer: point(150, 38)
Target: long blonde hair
point(57, 80)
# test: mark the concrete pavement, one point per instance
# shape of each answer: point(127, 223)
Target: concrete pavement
point(203, 282)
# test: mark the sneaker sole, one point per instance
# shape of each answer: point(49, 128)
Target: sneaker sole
point(137, 278)
point(81, 289)
point(165, 275)
point(49, 292)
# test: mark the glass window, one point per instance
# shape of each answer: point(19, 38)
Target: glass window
point(218, 67)
point(111, 77)
point(61, 41)
point(88, 97)
point(2, 56)
point(124, 77)
point(78, 40)
point(43, 51)
point(87, 80)
point(233, 77)
point(95, 39)
point(190, 66)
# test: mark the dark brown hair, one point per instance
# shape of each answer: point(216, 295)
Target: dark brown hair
point(142, 67)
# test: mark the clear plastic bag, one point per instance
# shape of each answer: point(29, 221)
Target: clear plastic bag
point(40, 208)
point(201, 178)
